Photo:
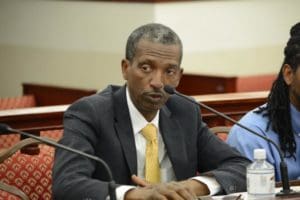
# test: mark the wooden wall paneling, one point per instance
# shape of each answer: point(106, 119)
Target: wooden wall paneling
point(33, 120)
point(50, 117)
point(193, 84)
point(234, 105)
point(46, 95)
point(36, 119)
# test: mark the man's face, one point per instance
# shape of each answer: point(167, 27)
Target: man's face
point(295, 89)
point(154, 66)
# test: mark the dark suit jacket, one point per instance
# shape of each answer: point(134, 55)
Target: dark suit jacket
point(100, 125)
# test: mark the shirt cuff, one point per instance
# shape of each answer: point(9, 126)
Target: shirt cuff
point(121, 191)
point(212, 184)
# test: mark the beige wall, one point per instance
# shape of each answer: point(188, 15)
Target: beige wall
point(232, 37)
point(69, 43)
point(80, 44)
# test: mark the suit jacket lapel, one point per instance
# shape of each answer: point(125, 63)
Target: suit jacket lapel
point(125, 134)
point(172, 134)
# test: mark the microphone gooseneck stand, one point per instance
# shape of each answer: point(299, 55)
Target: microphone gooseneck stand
point(286, 191)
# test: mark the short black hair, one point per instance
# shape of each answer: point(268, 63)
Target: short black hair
point(152, 32)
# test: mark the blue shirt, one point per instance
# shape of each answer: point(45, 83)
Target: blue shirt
point(246, 142)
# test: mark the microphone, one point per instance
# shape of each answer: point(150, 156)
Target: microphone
point(283, 167)
point(5, 129)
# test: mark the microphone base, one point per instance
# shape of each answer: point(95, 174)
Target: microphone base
point(288, 193)
point(112, 190)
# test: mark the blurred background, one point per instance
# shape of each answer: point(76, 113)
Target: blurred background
point(80, 44)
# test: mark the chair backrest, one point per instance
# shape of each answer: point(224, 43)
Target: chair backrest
point(7, 141)
point(24, 101)
point(8, 170)
point(53, 134)
point(221, 131)
point(27, 176)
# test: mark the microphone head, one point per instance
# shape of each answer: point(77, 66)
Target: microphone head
point(4, 128)
point(169, 89)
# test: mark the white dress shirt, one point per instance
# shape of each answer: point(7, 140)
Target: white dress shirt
point(138, 122)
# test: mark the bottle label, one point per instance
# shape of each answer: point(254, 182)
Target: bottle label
point(261, 184)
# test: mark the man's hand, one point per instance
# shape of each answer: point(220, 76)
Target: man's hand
point(197, 187)
point(183, 190)
point(139, 181)
point(163, 191)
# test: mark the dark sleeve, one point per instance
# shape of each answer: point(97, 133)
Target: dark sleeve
point(218, 159)
point(72, 174)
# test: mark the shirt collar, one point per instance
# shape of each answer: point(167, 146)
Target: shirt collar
point(137, 119)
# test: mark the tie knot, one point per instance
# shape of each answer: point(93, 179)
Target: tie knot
point(149, 132)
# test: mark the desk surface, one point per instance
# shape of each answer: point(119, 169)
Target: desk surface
point(244, 196)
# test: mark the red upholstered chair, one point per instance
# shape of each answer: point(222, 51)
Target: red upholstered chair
point(7, 141)
point(221, 131)
point(27, 175)
point(25, 101)
point(53, 134)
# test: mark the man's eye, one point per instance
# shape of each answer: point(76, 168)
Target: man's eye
point(171, 72)
point(146, 68)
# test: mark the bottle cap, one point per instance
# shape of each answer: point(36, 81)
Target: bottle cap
point(259, 154)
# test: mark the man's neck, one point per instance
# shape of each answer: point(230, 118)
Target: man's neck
point(149, 116)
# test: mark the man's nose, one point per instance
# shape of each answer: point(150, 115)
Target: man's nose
point(157, 80)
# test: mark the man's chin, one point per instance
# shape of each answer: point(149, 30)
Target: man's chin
point(154, 107)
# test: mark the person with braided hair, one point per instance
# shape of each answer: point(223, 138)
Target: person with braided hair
point(279, 118)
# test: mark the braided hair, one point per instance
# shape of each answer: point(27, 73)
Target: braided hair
point(278, 102)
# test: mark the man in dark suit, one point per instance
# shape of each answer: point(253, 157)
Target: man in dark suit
point(191, 161)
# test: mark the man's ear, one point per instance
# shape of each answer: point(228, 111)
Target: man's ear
point(181, 72)
point(125, 65)
point(179, 76)
point(288, 74)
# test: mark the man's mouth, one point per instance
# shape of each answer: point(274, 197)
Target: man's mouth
point(155, 97)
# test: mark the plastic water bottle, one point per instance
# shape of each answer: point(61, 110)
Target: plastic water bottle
point(260, 177)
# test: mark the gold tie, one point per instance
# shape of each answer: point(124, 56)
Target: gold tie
point(152, 171)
